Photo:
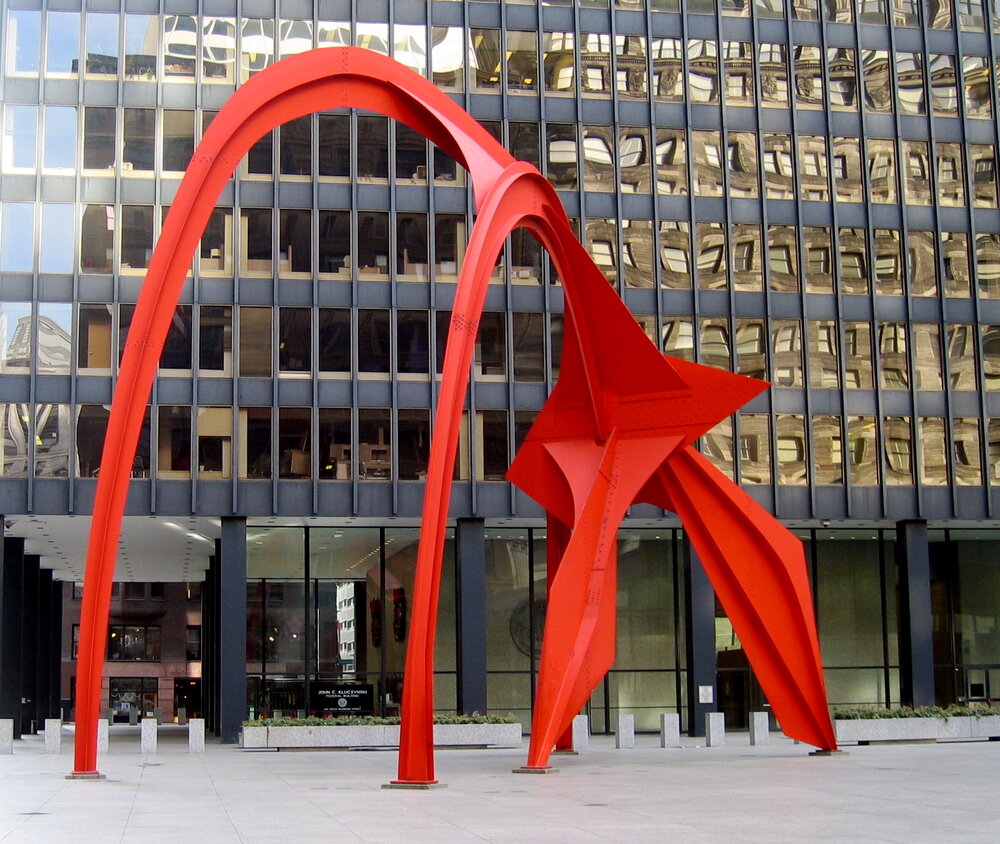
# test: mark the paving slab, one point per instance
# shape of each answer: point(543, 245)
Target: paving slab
point(735, 793)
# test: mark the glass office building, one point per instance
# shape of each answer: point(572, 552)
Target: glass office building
point(800, 191)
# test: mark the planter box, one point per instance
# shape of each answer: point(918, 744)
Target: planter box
point(445, 735)
point(916, 729)
point(987, 727)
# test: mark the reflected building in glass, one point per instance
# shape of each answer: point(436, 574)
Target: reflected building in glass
point(798, 191)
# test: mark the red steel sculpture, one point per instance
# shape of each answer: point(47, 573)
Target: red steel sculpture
point(617, 429)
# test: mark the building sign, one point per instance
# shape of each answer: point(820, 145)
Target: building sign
point(343, 698)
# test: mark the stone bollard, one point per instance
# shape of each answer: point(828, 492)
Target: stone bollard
point(625, 734)
point(581, 733)
point(182, 715)
point(53, 735)
point(196, 735)
point(148, 735)
point(715, 729)
point(670, 730)
point(158, 715)
point(108, 715)
point(6, 736)
point(102, 736)
point(760, 729)
point(133, 716)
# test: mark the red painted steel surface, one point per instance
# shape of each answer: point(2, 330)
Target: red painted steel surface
point(617, 428)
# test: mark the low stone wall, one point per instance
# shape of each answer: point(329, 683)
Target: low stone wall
point(445, 735)
point(851, 731)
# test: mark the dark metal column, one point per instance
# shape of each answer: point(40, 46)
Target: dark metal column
point(470, 541)
point(43, 648)
point(29, 643)
point(54, 708)
point(11, 621)
point(916, 651)
point(702, 665)
point(209, 633)
point(232, 620)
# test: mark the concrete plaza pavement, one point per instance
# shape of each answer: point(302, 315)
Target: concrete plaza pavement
point(735, 793)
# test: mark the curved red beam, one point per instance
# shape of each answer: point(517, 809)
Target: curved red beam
point(299, 85)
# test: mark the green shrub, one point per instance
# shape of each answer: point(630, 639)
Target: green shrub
point(375, 720)
point(953, 711)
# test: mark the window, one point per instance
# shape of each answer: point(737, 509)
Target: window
point(193, 650)
point(133, 642)
point(173, 441)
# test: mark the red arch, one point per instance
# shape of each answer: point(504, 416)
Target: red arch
point(615, 394)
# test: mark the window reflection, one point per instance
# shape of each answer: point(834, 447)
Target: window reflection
point(786, 352)
point(922, 263)
point(675, 255)
point(668, 78)
point(738, 64)
point(707, 155)
point(897, 445)
point(813, 173)
point(714, 343)
point(853, 261)
point(882, 170)
point(982, 160)
point(598, 159)
point(678, 337)
point(910, 83)
point(916, 169)
point(943, 74)
point(634, 160)
point(843, 84)
point(703, 71)
point(927, 356)
point(965, 432)
point(988, 265)
point(977, 81)
point(847, 170)
point(819, 264)
point(862, 453)
point(961, 357)
point(751, 348)
point(893, 360)
point(955, 258)
point(747, 263)
point(858, 355)
point(823, 354)
point(792, 453)
point(630, 66)
point(933, 451)
point(827, 449)
point(559, 62)
point(782, 259)
point(808, 77)
point(717, 446)
point(755, 448)
point(595, 64)
point(779, 166)
point(950, 175)
point(742, 160)
point(712, 259)
point(888, 264)
point(773, 62)
point(671, 162)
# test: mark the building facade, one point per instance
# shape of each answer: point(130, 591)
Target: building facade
point(799, 191)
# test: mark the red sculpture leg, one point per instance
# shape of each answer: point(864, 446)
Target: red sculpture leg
point(556, 540)
point(578, 647)
point(758, 571)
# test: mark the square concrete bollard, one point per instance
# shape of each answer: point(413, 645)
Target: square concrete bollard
point(158, 715)
point(6, 736)
point(196, 735)
point(760, 729)
point(625, 734)
point(581, 733)
point(182, 716)
point(670, 730)
point(53, 735)
point(102, 736)
point(108, 715)
point(715, 729)
point(148, 735)
point(133, 716)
